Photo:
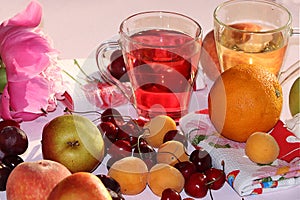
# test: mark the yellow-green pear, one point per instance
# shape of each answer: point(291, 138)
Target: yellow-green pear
point(294, 96)
point(73, 140)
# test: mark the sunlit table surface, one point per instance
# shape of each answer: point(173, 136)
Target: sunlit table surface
point(77, 27)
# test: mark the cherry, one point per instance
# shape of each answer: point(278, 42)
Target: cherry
point(108, 130)
point(175, 135)
point(114, 195)
point(215, 178)
point(132, 140)
point(201, 159)
point(186, 168)
point(116, 54)
point(144, 150)
point(2, 154)
point(139, 122)
point(112, 115)
point(120, 149)
point(5, 123)
point(196, 185)
point(170, 194)
point(4, 173)
point(13, 140)
point(129, 132)
point(117, 68)
point(12, 161)
point(109, 182)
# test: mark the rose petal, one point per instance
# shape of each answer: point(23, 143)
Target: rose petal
point(30, 17)
point(7, 114)
point(25, 55)
point(29, 96)
point(4, 108)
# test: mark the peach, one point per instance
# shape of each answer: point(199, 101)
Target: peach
point(34, 180)
point(80, 185)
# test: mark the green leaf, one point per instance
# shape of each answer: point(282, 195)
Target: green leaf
point(198, 138)
point(219, 145)
point(266, 179)
point(3, 79)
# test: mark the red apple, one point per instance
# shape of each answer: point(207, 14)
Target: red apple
point(80, 185)
point(73, 140)
point(34, 180)
point(209, 57)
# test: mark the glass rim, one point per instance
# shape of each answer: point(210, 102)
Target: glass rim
point(285, 26)
point(196, 37)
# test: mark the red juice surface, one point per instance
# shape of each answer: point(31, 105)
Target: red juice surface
point(162, 66)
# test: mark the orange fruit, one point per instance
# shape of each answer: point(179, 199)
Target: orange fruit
point(157, 128)
point(261, 148)
point(244, 99)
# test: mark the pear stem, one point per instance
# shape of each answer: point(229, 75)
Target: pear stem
point(74, 143)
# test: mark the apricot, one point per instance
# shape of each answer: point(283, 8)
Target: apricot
point(162, 176)
point(171, 152)
point(131, 173)
point(261, 148)
point(156, 129)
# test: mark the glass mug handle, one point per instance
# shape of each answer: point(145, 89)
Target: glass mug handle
point(295, 31)
point(294, 69)
point(105, 48)
point(289, 73)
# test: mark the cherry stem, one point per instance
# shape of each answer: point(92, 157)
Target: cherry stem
point(195, 129)
point(44, 111)
point(211, 182)
point(215, 180)
point(81, 112)
point(223, 165)
point(82, 71)
point(138, 146)
point(69, 75)
point(146, 132)
point(210, 194)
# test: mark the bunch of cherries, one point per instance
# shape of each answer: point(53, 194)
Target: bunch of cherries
point(200, 177)
point(13, 143)
point(123, 136)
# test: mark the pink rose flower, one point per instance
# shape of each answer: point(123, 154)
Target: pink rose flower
point(34, 80)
